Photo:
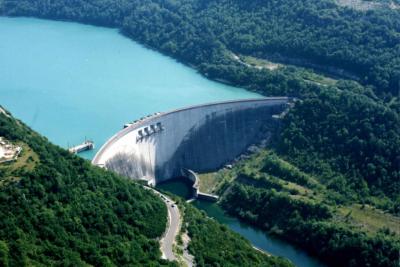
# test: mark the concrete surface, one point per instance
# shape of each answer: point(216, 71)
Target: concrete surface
point(201, 138)
point(196, 193)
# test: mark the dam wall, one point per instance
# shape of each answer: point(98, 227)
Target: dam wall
point(196, 193)
point(200, 138)
point(192, 176)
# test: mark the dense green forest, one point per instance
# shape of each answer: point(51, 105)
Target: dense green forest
point(220, 246)
point(306, 225)
point(315, 33)
point(335, 174)
point(336, 164)
point(299, 207)
point(349, 140)
point(204, 34)
point(58, 210)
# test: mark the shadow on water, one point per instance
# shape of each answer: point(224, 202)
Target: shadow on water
point(52, 89)
point(258, 238)
point(179, 186)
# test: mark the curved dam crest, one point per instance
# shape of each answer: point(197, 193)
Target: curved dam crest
point(72, 82)
point(201, 138)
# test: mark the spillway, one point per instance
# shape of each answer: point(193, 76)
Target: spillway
point(201, 138)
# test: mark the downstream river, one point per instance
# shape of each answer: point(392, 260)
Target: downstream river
point(257, 237)
point(70, 81)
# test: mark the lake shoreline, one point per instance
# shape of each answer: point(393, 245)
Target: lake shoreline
point(100, 65)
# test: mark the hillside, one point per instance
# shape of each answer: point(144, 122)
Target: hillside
point(336, 165)
point(281, 199)
point(328, 183)
point(56, 209)
point(322, 35)
point(225, 44)
point(351, 142)
point(221, 246)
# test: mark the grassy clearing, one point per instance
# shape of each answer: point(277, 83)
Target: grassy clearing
point(268, 162)
point(369, 218)
point(208, 182)
point(306, 74)
point(261, 63)
point(269, 167)
point(26, 161)
point(301, 190)
point(316, 78)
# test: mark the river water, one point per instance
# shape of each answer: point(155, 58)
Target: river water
point(257, 237)
point(70, 81)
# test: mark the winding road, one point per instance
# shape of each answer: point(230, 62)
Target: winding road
point(174, 219)
point(174, 225)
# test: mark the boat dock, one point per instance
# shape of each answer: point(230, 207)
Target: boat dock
point(87, 145)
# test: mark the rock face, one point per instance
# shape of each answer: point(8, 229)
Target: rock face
point(200, 138)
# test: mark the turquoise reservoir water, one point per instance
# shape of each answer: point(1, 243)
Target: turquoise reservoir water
point(69, 81)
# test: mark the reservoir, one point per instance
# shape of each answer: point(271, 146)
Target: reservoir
point(70, 81)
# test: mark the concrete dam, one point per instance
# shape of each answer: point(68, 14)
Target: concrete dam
point(200, 138)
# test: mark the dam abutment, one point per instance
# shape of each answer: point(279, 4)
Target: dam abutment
point(200, 138)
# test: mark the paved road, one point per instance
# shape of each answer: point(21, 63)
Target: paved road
point(168, 240)
point(174, 225)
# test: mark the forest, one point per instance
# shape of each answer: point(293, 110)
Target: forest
point(302, 208)
point(317, 33)
point(58, 210)
point(204, 34)
point(349, 140)
point(311, 227)
point(341, 140)
point(228, 249)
